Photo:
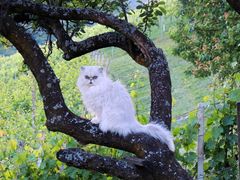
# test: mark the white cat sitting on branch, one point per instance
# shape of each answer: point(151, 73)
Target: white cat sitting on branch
point(111, 104)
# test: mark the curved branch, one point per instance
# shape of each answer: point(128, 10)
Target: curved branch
point(119, 25)
point(161, 98)
point(74, 49)
point(84, 160)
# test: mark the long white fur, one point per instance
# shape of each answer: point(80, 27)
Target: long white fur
point(112, 106)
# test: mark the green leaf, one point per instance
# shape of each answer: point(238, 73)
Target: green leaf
point(142, 14)
point(237, 77)
point(219, 156)
point(191, 157)
point(21, 158)
point(206, 165)
point(43, 165)
point(158, 13)
point(139, 7)
point(210, 144)
point(232, 138)
point(234, 95)
point(133, 94)
point(216, 131)
point(229, 120)
point(207, 135)
point(164, 11)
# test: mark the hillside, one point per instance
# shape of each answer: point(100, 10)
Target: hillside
point(187, 90)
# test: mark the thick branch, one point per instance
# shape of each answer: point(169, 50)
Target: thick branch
point(161, 99)
point(84, 160)
point(235, 4)
point(74, 49)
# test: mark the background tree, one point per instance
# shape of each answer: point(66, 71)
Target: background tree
point(208, 38)
point(56, 18)
point(207, 35)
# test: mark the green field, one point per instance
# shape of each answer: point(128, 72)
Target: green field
point(187, 90)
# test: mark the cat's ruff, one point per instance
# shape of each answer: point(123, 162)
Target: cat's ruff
point(112, 106)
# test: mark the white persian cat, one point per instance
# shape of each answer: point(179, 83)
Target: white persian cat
point(112, 106)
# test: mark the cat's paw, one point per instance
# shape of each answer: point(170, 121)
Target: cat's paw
point(95, 120)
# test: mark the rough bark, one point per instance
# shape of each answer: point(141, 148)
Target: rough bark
point(157, 161)
point(81, 159)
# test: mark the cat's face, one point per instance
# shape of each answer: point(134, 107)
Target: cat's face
point(91, 75)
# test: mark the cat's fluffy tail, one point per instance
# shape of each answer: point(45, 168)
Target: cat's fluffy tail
point(161, 133)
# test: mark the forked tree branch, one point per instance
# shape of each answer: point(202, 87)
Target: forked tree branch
point(72, 49)
point(158, 161)
point(59, 118)
point(154, 59)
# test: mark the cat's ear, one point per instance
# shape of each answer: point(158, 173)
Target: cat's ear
point(82, 68)
point(100, 69)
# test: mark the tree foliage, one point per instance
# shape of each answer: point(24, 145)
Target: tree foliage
point(207, 33)
point(220, 140)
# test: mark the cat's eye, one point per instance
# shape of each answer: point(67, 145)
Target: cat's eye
point(87, 77)
point(94, 77)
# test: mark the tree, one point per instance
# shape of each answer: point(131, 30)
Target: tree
point(207, 35)
point(155, 161)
